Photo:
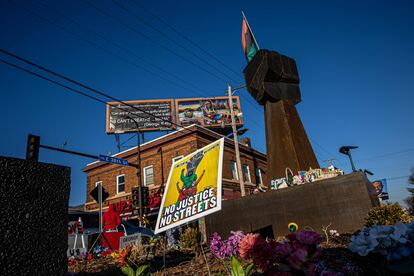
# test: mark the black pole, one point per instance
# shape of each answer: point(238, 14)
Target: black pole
point(70, 151)
point(77, 153)
point(352, 162)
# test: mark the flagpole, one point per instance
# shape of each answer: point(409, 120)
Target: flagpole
point(247, 22)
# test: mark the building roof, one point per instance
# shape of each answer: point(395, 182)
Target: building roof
point(169, 137)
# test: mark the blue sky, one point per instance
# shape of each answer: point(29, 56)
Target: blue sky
point(355, 62)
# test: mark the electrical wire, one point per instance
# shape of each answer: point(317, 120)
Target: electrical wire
point(248, 100)
point(186, 37)
point(155, 42)
point(119, 46)
point(149, 25)
point(385, 155)
point(79, 84)
point(84, 86)
point(103, 49)
point(100, 47)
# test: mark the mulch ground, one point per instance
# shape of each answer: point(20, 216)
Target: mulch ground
point(335, 256)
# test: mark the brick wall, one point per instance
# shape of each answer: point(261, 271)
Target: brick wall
point(151, 156)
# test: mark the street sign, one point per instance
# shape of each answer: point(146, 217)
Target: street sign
point(113, 160)
point(95, 194)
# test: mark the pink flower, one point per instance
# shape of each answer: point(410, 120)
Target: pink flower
point(248, 243)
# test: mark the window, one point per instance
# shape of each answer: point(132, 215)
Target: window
point(233, 168)
point(148, 175)
point(258, 173)
point(120, 183)
point(175, 159)
point(98, 182)
point(246, 173)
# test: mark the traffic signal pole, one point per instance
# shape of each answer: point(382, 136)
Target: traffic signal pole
point(33, 146)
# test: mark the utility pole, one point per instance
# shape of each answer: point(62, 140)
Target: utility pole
point(139, 174)
point(236, 141)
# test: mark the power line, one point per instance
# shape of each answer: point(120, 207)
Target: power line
point(119, 46)
point(109, 52)
point(128, 51)
point(329, 154)
point(173, 40)
point(103, 49)
point(386, 155)
point(82, 85)
point(185, 37)
point(398, 177)
point(77, 83)
point(154, 41)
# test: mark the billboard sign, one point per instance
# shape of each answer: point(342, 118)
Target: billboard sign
point(193, 188)
point(207, 112)
point(153, 115)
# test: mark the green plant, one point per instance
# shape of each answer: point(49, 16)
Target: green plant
point(142, 270)
point(188, 239)
point(237, 268)
point(387, 214)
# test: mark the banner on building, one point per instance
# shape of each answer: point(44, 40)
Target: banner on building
point(379, 189)
point(193, 188)
point(147, 115)
point(208, 112)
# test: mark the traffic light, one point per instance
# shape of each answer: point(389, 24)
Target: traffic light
point(33, 144)
point(135, 197)
point(145, 196)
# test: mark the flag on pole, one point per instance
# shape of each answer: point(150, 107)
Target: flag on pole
point(249, 43)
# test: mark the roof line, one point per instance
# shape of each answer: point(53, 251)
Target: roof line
point(153, 140)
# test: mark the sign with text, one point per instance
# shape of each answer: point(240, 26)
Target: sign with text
point(129, 240)
point(193, 188)
point(113, 160)
point(208, 112)
point(148, 115)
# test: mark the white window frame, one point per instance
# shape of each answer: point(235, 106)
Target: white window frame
point(117, 183)
point(235, 170)
point(97, 182)
point(260, 176)
point(145, 175)
point(249, 180)
point(175, 159)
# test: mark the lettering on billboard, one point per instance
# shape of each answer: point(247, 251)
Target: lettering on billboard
point(153, 115)
point(193, 188)
point(207, 112)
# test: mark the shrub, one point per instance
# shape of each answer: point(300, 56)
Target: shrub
point(387, 214)
point(188, 239)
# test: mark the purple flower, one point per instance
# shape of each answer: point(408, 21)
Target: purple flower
point(233, 243)
point(297, 258)
point(283, 249)
point(217, 246)
point(308, 237)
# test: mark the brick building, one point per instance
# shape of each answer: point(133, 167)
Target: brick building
point(156, 160)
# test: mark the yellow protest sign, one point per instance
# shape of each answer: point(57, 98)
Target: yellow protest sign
point(193, 188)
